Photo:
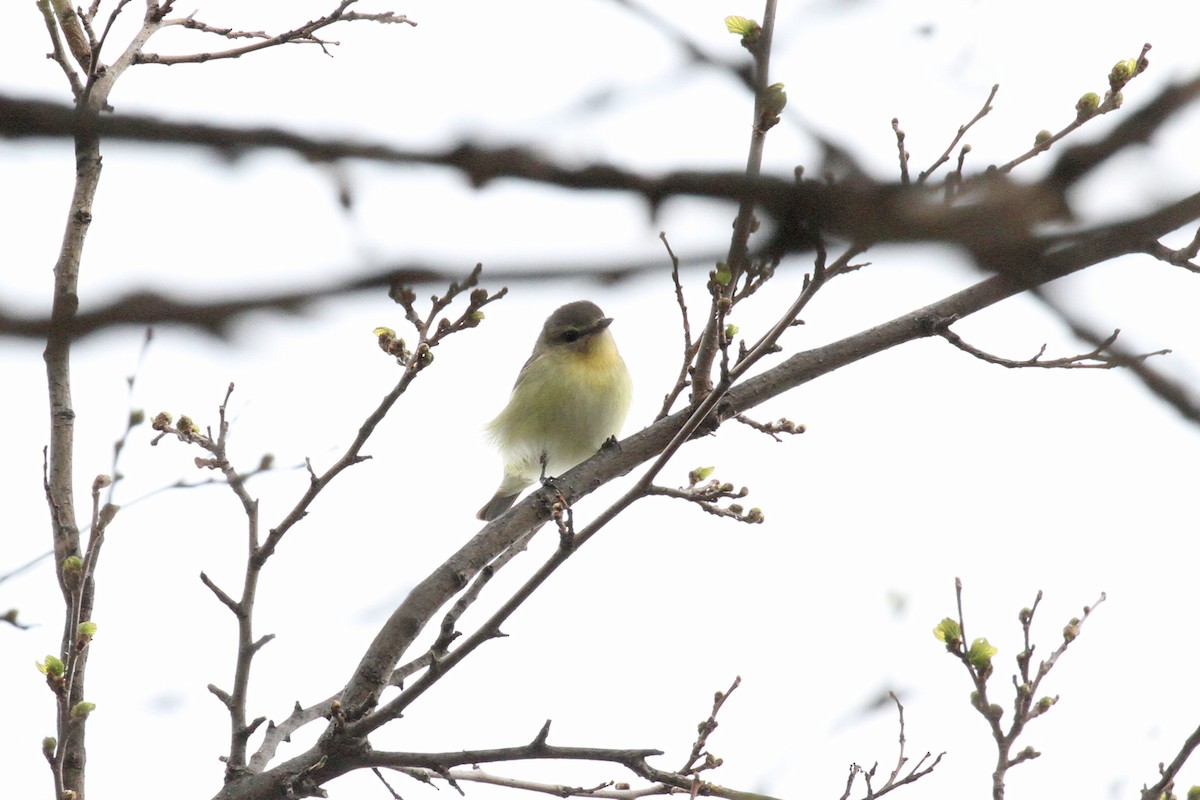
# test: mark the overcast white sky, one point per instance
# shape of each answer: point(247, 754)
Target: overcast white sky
point(919, 465)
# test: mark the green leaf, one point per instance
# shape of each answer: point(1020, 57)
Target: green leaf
point(748, 29)
point(949, 632)
point(741, 26)
point(980, 654)
point(52, 666)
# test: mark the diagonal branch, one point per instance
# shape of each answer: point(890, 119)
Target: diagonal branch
point(1169, 772)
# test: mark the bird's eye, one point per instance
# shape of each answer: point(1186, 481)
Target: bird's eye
point(570, 335)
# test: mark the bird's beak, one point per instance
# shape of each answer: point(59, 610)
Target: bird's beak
point(601, 324)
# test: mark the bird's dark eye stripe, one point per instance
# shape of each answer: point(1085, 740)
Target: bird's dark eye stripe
point(570, 336)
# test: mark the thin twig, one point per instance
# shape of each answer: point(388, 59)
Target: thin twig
point(962, 131)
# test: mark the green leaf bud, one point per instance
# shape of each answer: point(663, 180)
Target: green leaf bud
point(87, 629)
point(699, 474)
point(1122, 71)
point(72, 572)
point(1087, 104)
point(49, 745)
point(722, 275)
point(775, 100)
point(80, 710)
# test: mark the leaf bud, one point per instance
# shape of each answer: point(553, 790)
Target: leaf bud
point(80, 710)
point(1087, 105)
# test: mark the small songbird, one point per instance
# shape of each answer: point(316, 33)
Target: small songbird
point(572, 395)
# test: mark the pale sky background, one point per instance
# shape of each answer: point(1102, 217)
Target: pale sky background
point(919, 465)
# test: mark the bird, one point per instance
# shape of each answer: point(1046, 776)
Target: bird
point(570, 398)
